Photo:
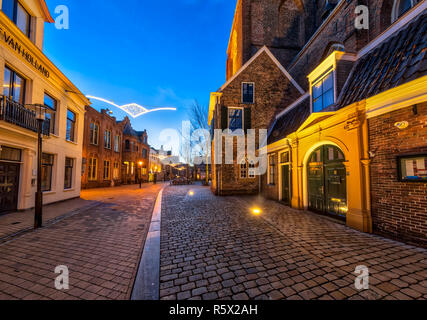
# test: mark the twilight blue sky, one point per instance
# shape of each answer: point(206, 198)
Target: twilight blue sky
point(154, 53)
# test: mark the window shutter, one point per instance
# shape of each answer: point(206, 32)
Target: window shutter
point(224, 117)
point(248, 119)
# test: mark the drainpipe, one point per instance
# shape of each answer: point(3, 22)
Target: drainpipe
point(290, 171)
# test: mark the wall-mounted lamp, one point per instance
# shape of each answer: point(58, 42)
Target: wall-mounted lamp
point(402, 125)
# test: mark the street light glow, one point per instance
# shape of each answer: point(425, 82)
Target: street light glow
point(256, 211)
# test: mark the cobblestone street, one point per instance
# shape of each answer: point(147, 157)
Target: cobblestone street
point(101, 247)
point(213, 248)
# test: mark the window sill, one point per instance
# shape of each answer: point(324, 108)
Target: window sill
point(69, 190)
point(72, 142)
point(48, 193)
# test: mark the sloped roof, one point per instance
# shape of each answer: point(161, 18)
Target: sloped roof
point(289, 122)
point(399, 60)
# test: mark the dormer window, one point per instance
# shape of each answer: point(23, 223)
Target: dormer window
point(248, 92)
point(323, 92)
point(400, 7)
point(17, 13)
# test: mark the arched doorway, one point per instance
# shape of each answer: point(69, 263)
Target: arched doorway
point(326, 181)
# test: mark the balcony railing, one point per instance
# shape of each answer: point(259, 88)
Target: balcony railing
point(17, 114)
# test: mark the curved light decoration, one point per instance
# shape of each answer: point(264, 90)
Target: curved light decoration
point(133, 109)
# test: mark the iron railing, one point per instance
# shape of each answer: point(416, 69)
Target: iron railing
point(17, 114)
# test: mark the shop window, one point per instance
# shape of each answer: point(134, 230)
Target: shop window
point(51, 105)
point(412, 168)
point(132, 168)
point(14, 86)
point(323, 92)
point(272, 170)
point(400, 7)
point(235, 119)
point(248, 92)
point(69, 167)
point(46, 172)
point(117, 143)
point(107, 169)
point(107, 139)
point(71, 126)
point(93, 169)
point(94, 133)
point(17, 13)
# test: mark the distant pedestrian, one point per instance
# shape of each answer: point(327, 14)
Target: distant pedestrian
point(155, 178)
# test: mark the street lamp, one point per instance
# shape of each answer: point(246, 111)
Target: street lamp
point(140, 174)
point(40, 111)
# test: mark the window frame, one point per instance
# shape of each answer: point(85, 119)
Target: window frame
point(94, 128)
point(107, 139)
point(243, 168)
point(117, 143)
point(12, 80)
point(272, 169)
point(395, 14)
point(67, 167)
point(93, 174)
point(51, 111)
point(329, 72)
point(251, 169)
point(243, 118)
point(14, 17)
point(107, 165)
point(50, 166)
point(253, 93)
point(73, 122)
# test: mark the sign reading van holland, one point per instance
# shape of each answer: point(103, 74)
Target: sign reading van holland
point(18, 48)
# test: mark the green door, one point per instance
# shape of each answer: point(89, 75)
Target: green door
point(286, 185)
point(327, 185)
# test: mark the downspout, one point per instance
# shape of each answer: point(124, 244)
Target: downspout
point(290, 172)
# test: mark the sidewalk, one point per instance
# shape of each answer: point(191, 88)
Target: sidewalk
point(21, 221)
point(101, 246)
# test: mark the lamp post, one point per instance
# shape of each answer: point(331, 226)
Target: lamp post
point(40, 116)
point(140, 174)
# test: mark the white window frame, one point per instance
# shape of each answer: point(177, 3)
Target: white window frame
point(251, 170)
point(243, 170)
point(329, 71)
point(253, 96)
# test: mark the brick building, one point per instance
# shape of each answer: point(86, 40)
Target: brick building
point(102, 150)
point(136, 154)
point(113, 152)
point(349, 142)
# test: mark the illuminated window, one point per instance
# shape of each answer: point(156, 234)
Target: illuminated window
point(235, 119)
point(323, 92)
point(116, 171)
point(16, 12)
point(400, 7)
point(14, 86)
point(248, 92)
point(93, 169)
point(272, 169)
point(107, 169)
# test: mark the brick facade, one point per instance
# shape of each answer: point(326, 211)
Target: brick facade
point(399, 209)
point(97, 149)
point(272, 90)
point(113, 160)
